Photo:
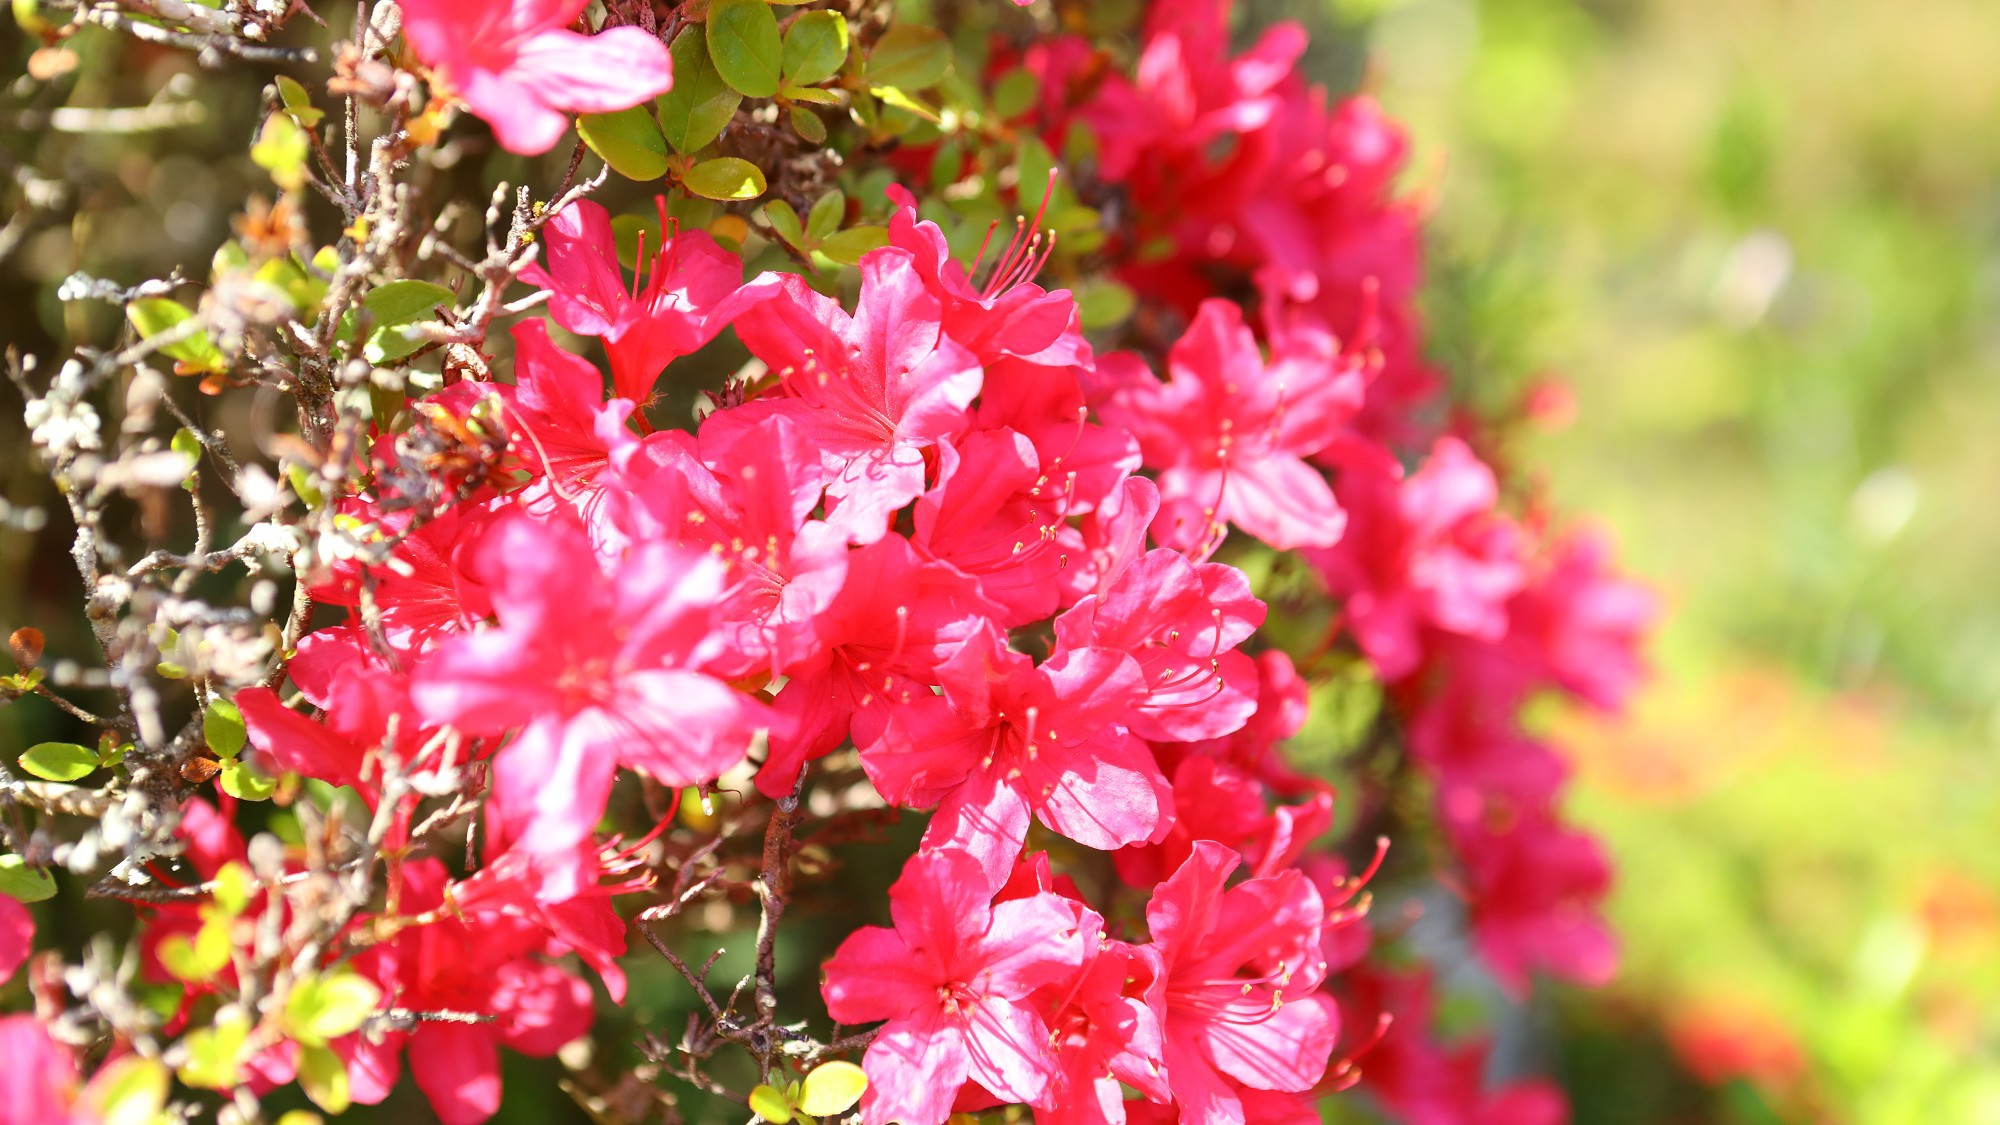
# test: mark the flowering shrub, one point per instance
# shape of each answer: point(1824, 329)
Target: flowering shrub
point(1093, 546)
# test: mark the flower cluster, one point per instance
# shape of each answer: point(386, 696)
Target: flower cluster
point(934, 535)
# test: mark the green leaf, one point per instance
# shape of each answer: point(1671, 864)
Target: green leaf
point(59, 761)
point(199, 958)
point(215, 1053)
point(833, 1088)
point(826, 214)
point(910, 56)
point(404, 301)
point(129, 1091)
point(22, 883)
point(743, 42)
point(812, 94)
point(245, 783)
point(324, 1008)
point(891, 95)
point(394, 306)
point(188, 444)
point(725, 178)
point(700, 105)
point(627, 140)
point(808, 125)
point(770, 1104)
point(849, 245)
point(233, 888)
point(298, 103)
point(785, 222)
point(1032, 163)
point(324, 1079)
point(815, 47)
point(152, 316)
point(281, 150)
point(1104, 303)
point(1016, 92)
point(222, 728)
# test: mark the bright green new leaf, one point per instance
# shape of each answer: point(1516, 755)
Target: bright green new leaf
point(222, 728)
point(812, 94)
point(298, 103)
point(406, 300)
point(215, 1053)
point(725, 178)
point(152, 316)
point(893, 96)
point(129, 1091)
point(700, 105)
point(849, 245)
point(199, 958)
point(833, 1088)
point(188, 444)
point(243, 782)
point(392, 307)
point(59, 761)
point(771, 1105)
point(744, 45)
point(815, 48)
point(826, 214)
point(22, 883)
point(627, 140)
point(324, 1079)
point(324, 1008)
point(233, 888)
point(909, 56)
point(281, 150)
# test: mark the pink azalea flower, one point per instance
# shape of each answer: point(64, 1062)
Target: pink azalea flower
point(1425, 1082)
point(1010, 740)
point(482, 964)
point(678, 300)
point(953, 980)
point(879, 644)
point(17, 936)
point(364, 702)
point(1181, 622)
point(1008, 314)
point(1229, 433)
point(871, 392)
point(424, 594)
point(1227, 1031)
point(1104, 1028)
point(595, 670)
point(516, 64)
point(1537, 888)
point(993, 517)
point(1219, 801)
point(38, 1086)
point(1426, 552)
point(561, 430)
point(745, 497)
point(1583, 625)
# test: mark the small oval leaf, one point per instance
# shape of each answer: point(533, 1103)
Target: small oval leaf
point(22, 883)
point(744, 45)
point(628, 141)
point(700, 105)
point(726, 178)
point(832, 1088)
point(222, 728)
point(815, 48)
point(910, 56)
point(59, 761)
point(770, 1104)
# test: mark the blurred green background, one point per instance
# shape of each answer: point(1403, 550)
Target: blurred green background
point(1758, 242)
